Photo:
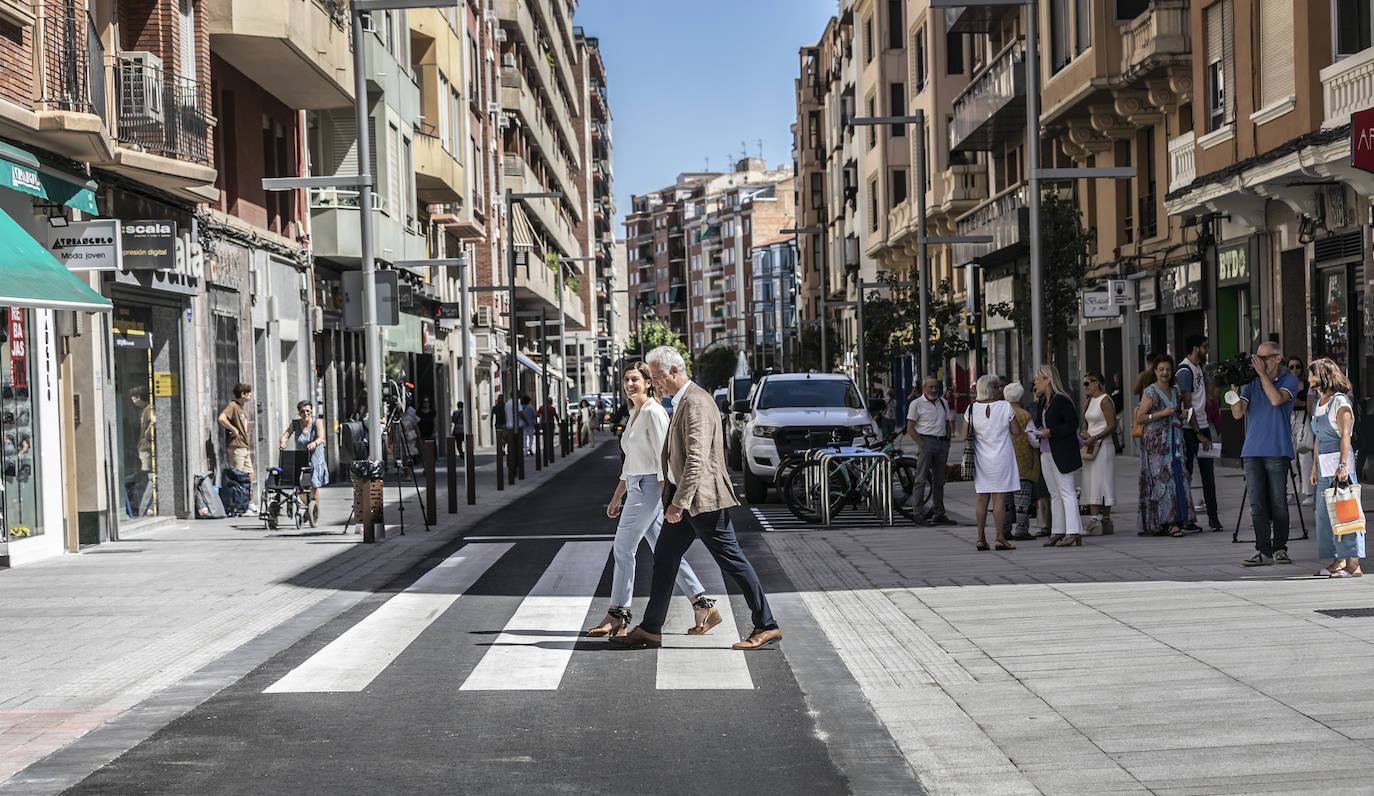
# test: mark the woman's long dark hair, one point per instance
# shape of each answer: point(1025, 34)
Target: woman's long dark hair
point(643, 369)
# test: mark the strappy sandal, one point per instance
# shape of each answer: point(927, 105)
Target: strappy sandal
point(710, 620)
point(981, 546)
point(1176, 531)
point(1332, 570)
point(616, 623)
point(1002, 544)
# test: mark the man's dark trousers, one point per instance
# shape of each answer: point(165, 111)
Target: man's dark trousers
point(930, 476)
point(1206, 467)
point(717, 532)
point(1266, 478)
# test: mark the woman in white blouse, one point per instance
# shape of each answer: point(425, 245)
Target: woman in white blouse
point(637, 502)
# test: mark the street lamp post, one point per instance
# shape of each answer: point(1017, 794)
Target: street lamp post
point(796, 234)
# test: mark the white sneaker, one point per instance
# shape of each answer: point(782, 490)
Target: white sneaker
point(252, 509)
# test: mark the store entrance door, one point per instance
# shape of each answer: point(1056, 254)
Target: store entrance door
point(135, 419)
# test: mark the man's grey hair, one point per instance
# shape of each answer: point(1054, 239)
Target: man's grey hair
point(667, 358)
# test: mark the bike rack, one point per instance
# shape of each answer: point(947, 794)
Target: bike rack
point(880, 491)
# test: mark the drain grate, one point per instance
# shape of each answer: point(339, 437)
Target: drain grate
point(1346, 613)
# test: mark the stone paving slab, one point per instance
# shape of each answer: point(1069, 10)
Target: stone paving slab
point(1130, 664)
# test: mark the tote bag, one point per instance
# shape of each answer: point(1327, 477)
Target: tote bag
point(1343, 507)
point(966, 466)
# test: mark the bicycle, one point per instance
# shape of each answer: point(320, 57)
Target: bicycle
point(801, 476)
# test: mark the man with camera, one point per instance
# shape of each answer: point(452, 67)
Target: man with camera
point(1266, 403)
point(1196, 430)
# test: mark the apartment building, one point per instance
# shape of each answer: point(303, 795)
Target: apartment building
point(591, 356)
point(656, 252)
point(774, 302)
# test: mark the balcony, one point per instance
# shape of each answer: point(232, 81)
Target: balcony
point(162, 127)
point(535, 281)
point(520, 179)
point(297, 50)
point(438, 175)
point(962, 188)
point(516, 99)
point(976, 19)
point(515, 17)
point(1006, 218)
point(1155, 37)
point(335, 229)
point(1348, 86)
point(70, 86)
point(1182, 166)
point(993, 107)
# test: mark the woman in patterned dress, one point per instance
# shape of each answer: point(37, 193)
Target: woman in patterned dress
point(1166, 502)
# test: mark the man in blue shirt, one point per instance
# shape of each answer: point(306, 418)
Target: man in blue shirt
point(1267, 404)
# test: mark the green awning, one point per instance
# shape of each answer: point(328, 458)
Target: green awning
point(26, 173)
point(31, 277)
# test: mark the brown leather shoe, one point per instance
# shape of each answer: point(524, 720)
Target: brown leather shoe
point(758, 639)
point(637, 639)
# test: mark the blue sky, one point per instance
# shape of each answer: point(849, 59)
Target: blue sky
point(692, 79)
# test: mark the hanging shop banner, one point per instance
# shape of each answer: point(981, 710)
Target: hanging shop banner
point(1233, 266)
point(1362, 139)
point(86, 245)
point(1180, 287)
point(1098, 304)
point(148, 245)
point(1147, 293)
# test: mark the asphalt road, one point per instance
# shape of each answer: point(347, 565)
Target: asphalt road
point(469, 675)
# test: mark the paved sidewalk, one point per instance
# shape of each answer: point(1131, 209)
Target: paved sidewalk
point(85, 638)
point(1131, 664)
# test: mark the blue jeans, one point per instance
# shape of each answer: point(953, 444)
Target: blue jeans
point(1265, 478)
point(641, 517)
point(715, 530)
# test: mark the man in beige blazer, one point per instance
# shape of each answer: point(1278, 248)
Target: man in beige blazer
point(696, 503)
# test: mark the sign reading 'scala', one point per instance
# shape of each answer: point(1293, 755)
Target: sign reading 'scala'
point(148, 245)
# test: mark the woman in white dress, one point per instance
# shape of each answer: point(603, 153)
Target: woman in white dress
point(1099, 424)
point(989, 424)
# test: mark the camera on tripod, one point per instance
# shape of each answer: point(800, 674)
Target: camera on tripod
point(396, 396)
point(1238, 371)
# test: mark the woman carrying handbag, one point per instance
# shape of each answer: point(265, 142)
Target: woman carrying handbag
point(1166, 502)
point(1332, 419)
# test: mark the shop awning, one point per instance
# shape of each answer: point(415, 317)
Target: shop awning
point(529, 363)
point(24, 172)
point(31, 277)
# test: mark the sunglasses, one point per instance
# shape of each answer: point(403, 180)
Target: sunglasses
point(1089, 383)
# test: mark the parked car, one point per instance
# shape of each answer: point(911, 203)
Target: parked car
point(785, 410)
point(738, 389)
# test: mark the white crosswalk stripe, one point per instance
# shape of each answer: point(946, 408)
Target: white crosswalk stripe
point(354, 660)
point(701, 662)
point(776, 518)
point(533, 650)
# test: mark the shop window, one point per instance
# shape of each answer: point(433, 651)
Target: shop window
point(20, 512)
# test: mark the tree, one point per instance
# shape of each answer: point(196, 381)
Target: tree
point(948, 337)
point(889, 325)
point(809, 357)
point(654, 333)
point(715, 367)
point(1064, 258)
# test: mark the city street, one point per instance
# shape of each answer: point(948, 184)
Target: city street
point(242, 662)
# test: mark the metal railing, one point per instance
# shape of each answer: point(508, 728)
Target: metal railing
point(1002, 81)
point(337, 11)
point(70, 59)
point(162, 113)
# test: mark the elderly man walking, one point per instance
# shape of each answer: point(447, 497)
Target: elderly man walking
point(696, 502)
point(930, 424)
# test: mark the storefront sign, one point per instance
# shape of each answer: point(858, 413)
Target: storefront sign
point(1233, 266)
point(148, 245)
point(388, 299)
point(1098, 304)
point(165, 385)
point(997, 291)
point(449, 311)
point(18, 348)
point(1123, 294)
point(1362, 139)
point(86, 245)
point(1147, 293)
point(1180, 287)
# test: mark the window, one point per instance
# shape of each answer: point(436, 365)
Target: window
point(918, 60)
point(747, 226)
point(1083, 26)
point(1070, 31)
point(896, 101)
point(873, 205)
point(894, 24)
point(393, 168)
point(1130, 9)
point(1352, 26)
point(1276, 51)
point(1220, 69)
point(898, 181)
point(817, 190)
point(872, 129)
point(868, 39)
point(954, 53)
point(443, 113)
point(1145, 184)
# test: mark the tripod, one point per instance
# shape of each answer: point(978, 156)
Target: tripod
point(1297, 501)
point(395, 431)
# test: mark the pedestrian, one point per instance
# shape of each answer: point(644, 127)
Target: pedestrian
point(1057, 434)
point(988, 426)
point(410, 438)
point(697, 499)
point(1166, 498)
point(548, 415)
point(527, 422)
point(426, 415)
point(1099, 455)
point(1042, 489)
point(600, 412)
point(308, 432)
point(638, 502)
point(457, 429)
point(234, 420)
point(138, 396)
point(1197, 426)
point(1333, 418)
point(1146, 377)
point(930, 424)
point(584, 419)
point(1266, 404)
point(1302, 427)
point(498, 415)
point(876, 406)
point(1027, 464)
point(889, 422)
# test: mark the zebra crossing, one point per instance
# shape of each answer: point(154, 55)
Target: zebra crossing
point(533, 650)
point(776, 518)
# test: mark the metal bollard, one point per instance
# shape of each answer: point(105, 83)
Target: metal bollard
point(431, 508)
point(470, 470)
point(538, 450)
point(452, 464)
point(500, 461)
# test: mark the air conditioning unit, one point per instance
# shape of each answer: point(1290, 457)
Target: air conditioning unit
point(140, 86)
point(484, 315)
point(493, 107)
point(484, 343)
point(503, 122)
point(500, 34)
point(508, 59)
point(368, 26)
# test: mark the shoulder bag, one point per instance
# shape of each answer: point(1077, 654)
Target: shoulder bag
point(966, 466)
